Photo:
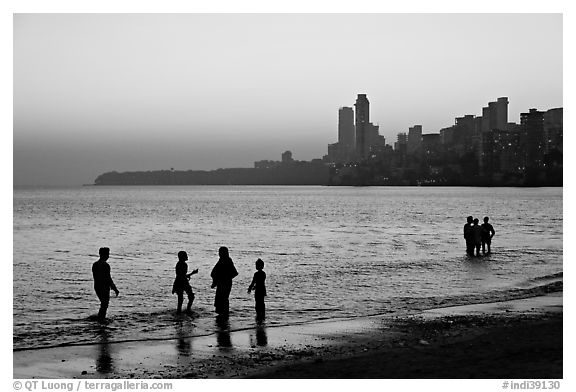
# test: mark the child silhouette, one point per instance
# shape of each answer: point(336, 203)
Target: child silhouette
point(259, 287)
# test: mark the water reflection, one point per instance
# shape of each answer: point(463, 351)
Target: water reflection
point(259, 338)
point(104, 360)
point(183, 338)
point(223, 332)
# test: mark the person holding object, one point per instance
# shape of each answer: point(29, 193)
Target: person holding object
point(103, 281)
point(181, 283)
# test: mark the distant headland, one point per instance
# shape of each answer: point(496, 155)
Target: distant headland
point(295, 173)
point(485, 150)
point(318, 172)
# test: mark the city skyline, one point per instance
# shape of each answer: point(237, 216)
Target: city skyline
point(95, 93)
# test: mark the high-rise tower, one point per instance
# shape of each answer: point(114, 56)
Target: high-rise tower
point(362, 122)
point(414, 139)
point(501, 113)
point(533, 125)
point(346, 134)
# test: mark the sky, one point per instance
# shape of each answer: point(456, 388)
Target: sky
point(94, 93)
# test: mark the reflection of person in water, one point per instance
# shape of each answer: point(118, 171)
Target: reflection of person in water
point(103, 281)
point(184, 342)
point(222, 275)
point(104, 361)
point(181, 283)
point(259, 287)
point(261, 337)
point(223, 333)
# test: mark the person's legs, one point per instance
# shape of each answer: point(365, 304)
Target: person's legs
point(104, 297)
point(190, 298)
point(180, 301)
point(218, 300)
point(260, 308)
point(225, 297)
point(221, 302)
point(470, 248)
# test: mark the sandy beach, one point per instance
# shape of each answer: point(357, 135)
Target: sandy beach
point(514, 339)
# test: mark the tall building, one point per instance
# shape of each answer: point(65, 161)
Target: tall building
point(495, 115)
point(401, 143)
point(485, 124)
point(553, 129)
point(466, 133)
point(414, 139)
point(431, 143)
point(500, 113)
point(362, 106)
point(344, 150)
point(346, 133)
point(532, 124)
point(447, 135)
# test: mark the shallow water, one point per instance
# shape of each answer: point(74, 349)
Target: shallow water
point(329, 253)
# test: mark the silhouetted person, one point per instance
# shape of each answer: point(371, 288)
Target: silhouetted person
point(259, 287)
point(487, 234)
point(103, 281)
point(222, 275)
point(477, 236)
point(181, 283)
point(468, 236)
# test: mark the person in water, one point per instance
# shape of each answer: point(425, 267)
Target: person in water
point(103, 282)
point(477, 236)
point(222, 275)
point(469, 236)
point(259, 287)
point(487, 234)
point(181, 283)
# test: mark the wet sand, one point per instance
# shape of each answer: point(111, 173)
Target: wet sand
point(513, 339)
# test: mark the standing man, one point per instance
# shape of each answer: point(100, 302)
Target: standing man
point(487, 234)
point(477, 236)
point(103, 281)
point(469, 236)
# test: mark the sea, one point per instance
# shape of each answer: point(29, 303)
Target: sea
point(329, 252)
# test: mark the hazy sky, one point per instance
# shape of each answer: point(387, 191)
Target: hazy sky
point(101, 92)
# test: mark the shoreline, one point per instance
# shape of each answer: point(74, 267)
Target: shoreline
point(364, 347)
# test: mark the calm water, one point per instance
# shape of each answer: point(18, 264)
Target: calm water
point(329, 252)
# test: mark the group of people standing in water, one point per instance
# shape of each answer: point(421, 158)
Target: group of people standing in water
point(477, 236)
point(222, 274)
